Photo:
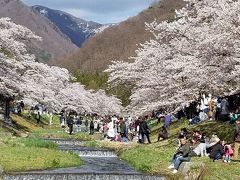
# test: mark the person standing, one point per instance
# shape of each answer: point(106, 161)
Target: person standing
point(70, 123)
point(19, 109)
point(86, 125)
point(38, 117)
point(225, 113)
point(22, 106)
point(123, 128)
point(91, 127)
point(50, 119)
point(62, 122)
point(237, 140)
point(167, 121)
point(144, 130)
point(110, 131)
point(79, 123)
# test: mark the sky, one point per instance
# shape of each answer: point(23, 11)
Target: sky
point(101, 11)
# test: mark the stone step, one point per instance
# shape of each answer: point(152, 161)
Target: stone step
point(65, 142)
point(93, 153)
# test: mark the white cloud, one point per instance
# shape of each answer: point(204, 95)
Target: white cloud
point(102, 11)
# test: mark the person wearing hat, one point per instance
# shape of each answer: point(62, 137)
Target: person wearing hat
point(237, 140)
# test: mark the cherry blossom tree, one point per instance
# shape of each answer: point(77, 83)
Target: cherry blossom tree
point(36, 82)
point(198, 51)
point(12, 51)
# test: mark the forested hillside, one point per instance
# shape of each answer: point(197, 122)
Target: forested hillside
point(54, 43)
point(119, 41)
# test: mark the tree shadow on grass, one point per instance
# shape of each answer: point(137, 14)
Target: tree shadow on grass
point(222, 130)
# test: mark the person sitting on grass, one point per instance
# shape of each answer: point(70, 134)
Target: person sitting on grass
point(184, 132)
point(163, 133)
point(233, 117)
point(196, 138)
point(117, 137)
point(217, 151)
point(200, 149)
point(194, 120)
point(197, 135)
point(214, 140)
point(182, 154)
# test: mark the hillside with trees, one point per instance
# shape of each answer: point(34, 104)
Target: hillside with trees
point(119, 41)
point(54, 43)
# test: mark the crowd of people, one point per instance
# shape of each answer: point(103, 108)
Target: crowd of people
point(113, 128)
point(199, 144)
point(73, 123)
point(214, 109)
point(18, 107)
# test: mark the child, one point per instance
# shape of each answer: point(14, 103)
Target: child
point(228, 152)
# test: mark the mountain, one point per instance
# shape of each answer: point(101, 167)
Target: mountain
point(120, 41)
point(54, 43)
point(78, 30)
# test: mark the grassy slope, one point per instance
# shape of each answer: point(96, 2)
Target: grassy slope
point(44, 130)
point(22, 154)
point(14, 158)
point(155, 158)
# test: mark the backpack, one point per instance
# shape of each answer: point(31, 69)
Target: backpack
point(230, 150)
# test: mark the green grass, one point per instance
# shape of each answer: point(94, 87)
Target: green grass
point(44, 121)
point(225, 132)
point(28, 125)
point(57, 133)
point(150, 159)
point(220, 170)
point(21, 158)
point(23, 154)
point(33, 153)
point(35, 142)
point(24, 124)
point(4, 132)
